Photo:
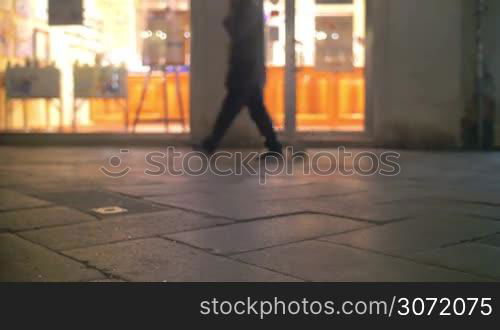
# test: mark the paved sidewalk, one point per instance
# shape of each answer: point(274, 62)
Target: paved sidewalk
point(439, 220)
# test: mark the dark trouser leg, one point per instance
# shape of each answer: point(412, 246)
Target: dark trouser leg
point(261, 117)
point(231, 107)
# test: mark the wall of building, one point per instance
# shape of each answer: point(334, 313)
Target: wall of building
point(421, 72)
point(208, 70)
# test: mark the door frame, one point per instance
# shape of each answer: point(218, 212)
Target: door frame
point(291, 133)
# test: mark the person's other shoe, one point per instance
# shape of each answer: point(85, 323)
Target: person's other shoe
point(207, 147)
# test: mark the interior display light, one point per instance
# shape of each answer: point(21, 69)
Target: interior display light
point(162, 35)
point(321, 35)
point(146, 34)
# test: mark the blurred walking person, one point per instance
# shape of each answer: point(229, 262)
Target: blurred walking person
point(246, 77)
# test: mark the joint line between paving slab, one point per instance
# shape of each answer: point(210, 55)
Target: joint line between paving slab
point(49, 205)
point(22, 231)
point(232, 259)
point(145, 197)
point(222, 225)
point(134, 239)
point(250, 220)
point(230, 255)
point(373, 222)
point(483, 217)
point(87, 265)
point(312, 198)
point(316, 238)
point(408, 259)
point(211, 215)
point(190, 211)
point(473, 202)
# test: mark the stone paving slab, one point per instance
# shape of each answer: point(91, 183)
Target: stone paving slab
point(11, 200)
point(22, 261)
point(418, 235)
point(41, 217)
point(261, 234)
point(158, 260)
point(310, 191)
point(238, 208)
point(326, 262)
point(484, 197)
point(120, 229)
point(478, 259)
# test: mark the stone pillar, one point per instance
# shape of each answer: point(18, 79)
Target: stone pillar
point(492, 29)
point(209, 59)
point(419, 79)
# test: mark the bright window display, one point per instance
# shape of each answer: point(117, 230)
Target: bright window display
point(330, 53)
point(111, 38)
point(116, 34)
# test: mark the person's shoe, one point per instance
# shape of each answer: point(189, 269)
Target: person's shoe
point(275, 151)
point(272, 155)
point(207, 147)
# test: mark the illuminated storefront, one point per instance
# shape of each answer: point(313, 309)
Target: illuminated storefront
point(330, 95)
point(397, 72)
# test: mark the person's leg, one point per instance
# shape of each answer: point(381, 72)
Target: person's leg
point(231, 107)
point(261, 117)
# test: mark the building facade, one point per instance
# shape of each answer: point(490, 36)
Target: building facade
point(398, 73)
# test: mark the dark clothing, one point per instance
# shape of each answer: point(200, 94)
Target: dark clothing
point(236, 99)
point(245, 26)
point(247, 74)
